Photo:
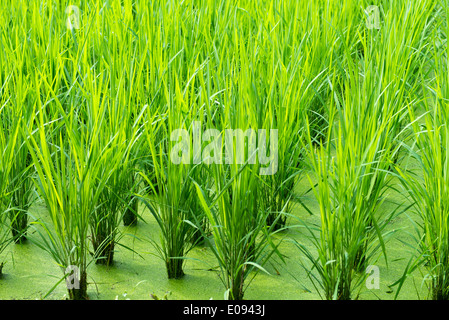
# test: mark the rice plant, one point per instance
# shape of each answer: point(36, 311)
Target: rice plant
point(351, 171)
point(427, 184)
point(72, 173)
point(429, 197)
point(241, 238)
point(7, 148)
point(170, 205)
point(350, 231)
point(20, 188)
point(106, 219)
point(113, 200)
point(17, 99)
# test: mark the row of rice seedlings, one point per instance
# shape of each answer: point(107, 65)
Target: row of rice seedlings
point(241, 239)
point(375, 110)
point(427, 185)
point(58, 77)
point(8, 138)
point(125, 48)
point(113, 200)
point(265, 94)
point(429, 195)
point(238, 216)
point(303, 42)
point(16, 191)
point(207, 91)
point(304, 70)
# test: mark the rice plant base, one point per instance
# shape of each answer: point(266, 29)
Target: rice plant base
point(130, 217)
point(276, 221)
point(19, 237)
point(81, 293)
point(174, 268)
point(440, 293)
point(106, 257)
point(19, 227)
point(104, 252)
point(236, 292)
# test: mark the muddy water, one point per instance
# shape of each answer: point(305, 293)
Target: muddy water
point(30, 273)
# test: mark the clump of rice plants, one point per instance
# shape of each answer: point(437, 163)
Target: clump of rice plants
point(14, 180)
point(114, 196)
point(351, 173)
point(115, 203)
point(241, 238)
point(352, 167)
point(17, 111)
point(20, 188)
point(71, 175)
point(107, 217)
point(427, 185)
point(345, 240)
point(7, 147)
point(429, 195)
point(170, 206)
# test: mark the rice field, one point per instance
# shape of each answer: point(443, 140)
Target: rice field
point(236, 150)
